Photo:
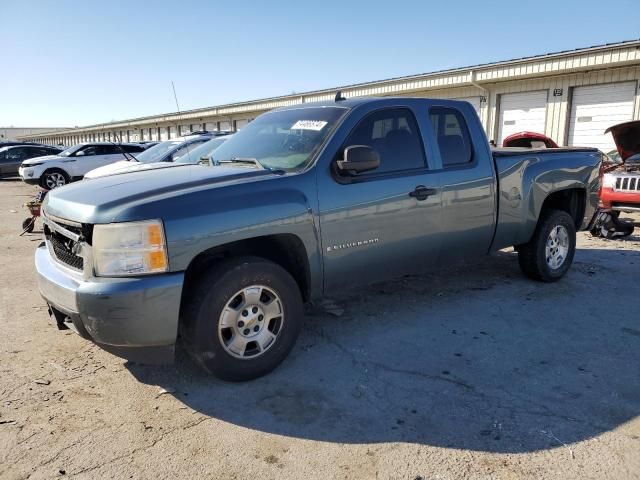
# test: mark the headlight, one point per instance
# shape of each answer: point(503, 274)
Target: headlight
point(609, 181)
point(31, 164)
point(133, 248)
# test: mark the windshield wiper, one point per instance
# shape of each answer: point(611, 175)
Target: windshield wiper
point(249, 160)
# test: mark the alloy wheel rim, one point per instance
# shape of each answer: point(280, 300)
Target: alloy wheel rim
point(557, 247)
point(54, 180)
point(251, 322)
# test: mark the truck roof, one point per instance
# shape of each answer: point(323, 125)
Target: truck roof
point(354, 102)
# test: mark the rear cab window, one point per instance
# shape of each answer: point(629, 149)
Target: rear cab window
point(452, 136)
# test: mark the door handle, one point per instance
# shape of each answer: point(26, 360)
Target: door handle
point(422, 193)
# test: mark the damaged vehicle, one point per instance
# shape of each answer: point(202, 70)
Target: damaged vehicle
point(620, 190)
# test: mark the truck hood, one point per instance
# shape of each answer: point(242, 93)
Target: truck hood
point(627, 138)
point(36, 160)
point(124, 166)
point(112, 198)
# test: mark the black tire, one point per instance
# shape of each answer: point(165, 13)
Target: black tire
point(532, 255)
point(49, 173)
point(208, 296)
point(28, 224)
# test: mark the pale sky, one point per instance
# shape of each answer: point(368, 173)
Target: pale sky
point(72, 62)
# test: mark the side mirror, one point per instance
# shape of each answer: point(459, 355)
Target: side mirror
point(358, 159)
point(80, 153)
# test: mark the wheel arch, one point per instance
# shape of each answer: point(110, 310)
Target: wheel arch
point(54, 168)
point(286, 250)
point(571, 200)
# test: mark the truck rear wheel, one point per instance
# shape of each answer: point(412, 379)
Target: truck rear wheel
point(242, 318)
point(549, 254)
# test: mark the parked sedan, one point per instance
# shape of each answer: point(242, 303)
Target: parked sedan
point(162, 154)
point(74, 162)
point(12, 157)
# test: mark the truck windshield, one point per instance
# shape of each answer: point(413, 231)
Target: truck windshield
point(282, 140)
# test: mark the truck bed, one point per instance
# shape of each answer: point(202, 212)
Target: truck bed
point(524, 178)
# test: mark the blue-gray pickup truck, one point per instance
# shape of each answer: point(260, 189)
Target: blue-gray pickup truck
point(304, 201)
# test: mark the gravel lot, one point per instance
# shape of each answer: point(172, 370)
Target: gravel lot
point(475, 372)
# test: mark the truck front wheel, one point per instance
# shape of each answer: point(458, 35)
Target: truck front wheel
point(242, 318)
point(549, 253)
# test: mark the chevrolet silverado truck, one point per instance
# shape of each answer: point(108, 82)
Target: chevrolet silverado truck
point(304, 201)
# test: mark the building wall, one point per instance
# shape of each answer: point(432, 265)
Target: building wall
point(13, 133)
point(558, 74)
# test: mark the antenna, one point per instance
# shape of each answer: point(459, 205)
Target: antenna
point(339, 97)
point(178, 107)
point(175, 96)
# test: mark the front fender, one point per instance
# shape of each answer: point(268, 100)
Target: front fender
point(66, 166)
point(206, 220)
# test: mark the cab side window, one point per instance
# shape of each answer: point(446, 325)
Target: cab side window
point(452, 135)
point(394, 134)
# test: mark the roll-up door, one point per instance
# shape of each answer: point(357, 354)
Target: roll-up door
point(521, 112)
point(596, 108)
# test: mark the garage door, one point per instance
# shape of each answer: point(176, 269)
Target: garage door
point(522, 112)
point(596, 108)
point(211, 126)
point(164, 134)
point(475, 101)
point(225, 125)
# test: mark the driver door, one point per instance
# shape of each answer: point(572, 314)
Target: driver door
point(375, 225)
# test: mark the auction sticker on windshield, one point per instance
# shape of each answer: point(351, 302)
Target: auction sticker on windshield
point(316, 125)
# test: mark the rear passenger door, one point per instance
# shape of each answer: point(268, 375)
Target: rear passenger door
point(374, 225)
point(467, 183)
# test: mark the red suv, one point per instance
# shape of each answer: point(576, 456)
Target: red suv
point(621, 183)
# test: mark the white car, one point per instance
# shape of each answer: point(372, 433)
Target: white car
point(53, 171)
point(164, 154)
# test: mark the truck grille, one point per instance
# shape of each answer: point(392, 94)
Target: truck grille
point(63, 247)
point(628, 184)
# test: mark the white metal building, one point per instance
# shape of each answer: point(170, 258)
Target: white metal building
point(571, 96)
point(13, 133)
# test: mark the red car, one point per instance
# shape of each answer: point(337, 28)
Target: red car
point(620, 189)
point(529, 140)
